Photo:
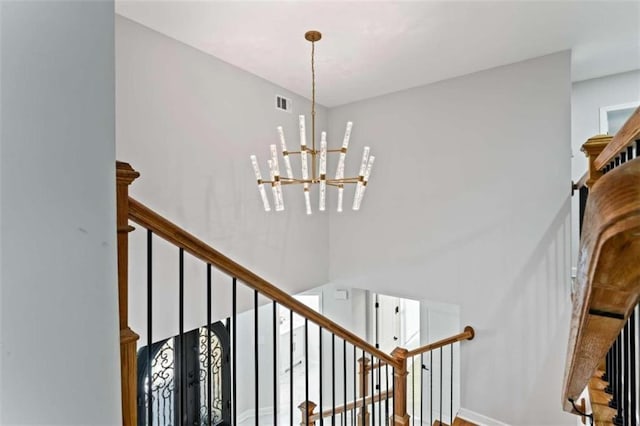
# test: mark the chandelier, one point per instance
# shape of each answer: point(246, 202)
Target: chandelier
point(314, 173)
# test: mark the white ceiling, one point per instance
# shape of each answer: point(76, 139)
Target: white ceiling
point(377, 47)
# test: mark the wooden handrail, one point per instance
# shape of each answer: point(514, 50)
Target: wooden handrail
point(467, 334)
point(144, 216)
point(352, 405)
point(582, 182)
point(629, 132)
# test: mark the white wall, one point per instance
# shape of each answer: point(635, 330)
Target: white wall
point(587, 97)
point(59, 337)
point(469, 204)
point(188, 122)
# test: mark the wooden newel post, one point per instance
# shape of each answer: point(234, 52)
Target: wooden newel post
point(401, 418)
point(306, 410)
point(363, 379)
point(128, 363)
point(592, 148)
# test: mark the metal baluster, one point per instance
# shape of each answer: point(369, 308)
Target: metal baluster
point(333, 379)
point(615, 401)
point(582, 198)
point(320, 378)
point(441, 385)
point(373, 392)
point(354, 411)
point(386, 389)
point(364, 386)
point(149, 326)
point(209, 349)
point(413, 390)
point(626, 376)
point(379, 392)
point(629, 153)
point(632, 372)
point(234, 314)
point(393, 394)
point(306, 370)
point(344, 381)
point(256, 380)
point(275, 363)
point(611, 165)
point(182, 383)
point(451, 385)
point(623, 157)
point(290, 367)
point(617, 161)
point(421, 387)
point(431, 387)
point(637, 147)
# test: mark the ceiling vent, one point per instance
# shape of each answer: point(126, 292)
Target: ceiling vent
point(283, 104)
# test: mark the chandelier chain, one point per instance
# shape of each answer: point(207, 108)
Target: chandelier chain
point(313, 96)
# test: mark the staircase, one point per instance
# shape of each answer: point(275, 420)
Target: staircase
point(356, 385)
point(604, 345)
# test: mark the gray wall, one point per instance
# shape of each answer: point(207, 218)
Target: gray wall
point(59, 335)
point(469, 204)
point(188, 122)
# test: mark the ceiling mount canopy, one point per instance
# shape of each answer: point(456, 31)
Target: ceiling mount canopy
point(317, 158)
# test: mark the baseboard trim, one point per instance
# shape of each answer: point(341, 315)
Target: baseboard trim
point(479, 419)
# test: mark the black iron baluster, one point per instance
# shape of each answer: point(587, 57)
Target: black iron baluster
point(209, 349)
point(363, 367)
point(333, 379)
point(617, 161)
point(611, 388)
point(617, 367)
point(393, 394)
point(441, 385)
point(422, 368)
point(149, 326)
point(344, 382)
point(275, 363)
point(306, 370)
point(632, 371)
point(290, 367)
point(582, 198)
point(320, 375)
point(413, 390)
point(354, 412)
point(451, 385)
point(637, 147)
point(629, 153)
point(386, 389)
point(379, 389)
point(623, 157)
point(611, 165)
point(182, 383)
point(256, 380)
point(431, 387)
point(234, 314)
point(373, 392)
point(626, 375)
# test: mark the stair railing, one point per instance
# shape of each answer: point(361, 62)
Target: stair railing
point(606, 292)
point(187, 395)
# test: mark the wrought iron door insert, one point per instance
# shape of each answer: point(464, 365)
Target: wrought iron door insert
point(207, 397)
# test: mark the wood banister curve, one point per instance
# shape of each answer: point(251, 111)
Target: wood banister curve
point(144, 216)
point(625, 136)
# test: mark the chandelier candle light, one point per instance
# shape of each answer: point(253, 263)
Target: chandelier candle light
point(318, 160)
